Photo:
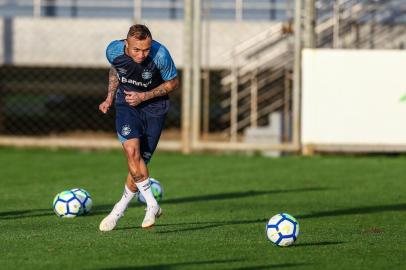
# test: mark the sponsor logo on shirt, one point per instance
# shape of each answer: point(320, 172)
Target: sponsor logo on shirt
point(136, 83)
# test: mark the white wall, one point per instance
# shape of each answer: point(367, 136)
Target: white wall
point(354, 97)
point(82, 42)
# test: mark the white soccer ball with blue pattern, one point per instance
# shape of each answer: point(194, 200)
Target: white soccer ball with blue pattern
point(156, 189)
point(85, 199)
point(67, 205)
point(282, 229)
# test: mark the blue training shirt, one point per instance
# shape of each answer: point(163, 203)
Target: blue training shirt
point(157, 68)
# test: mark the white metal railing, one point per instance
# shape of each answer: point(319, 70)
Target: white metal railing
point(226, 9)
point(276, 45)
point(238, 7)
point(254, 41)
point(269, 58)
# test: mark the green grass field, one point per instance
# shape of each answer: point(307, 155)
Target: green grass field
point(351, 210)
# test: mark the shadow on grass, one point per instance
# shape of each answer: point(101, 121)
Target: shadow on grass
point(324, 243)
point(103, 209)
point(235, 195)
point(272, 266)
point(26, 213)
point(356, 211)
point(199, 225)
point(174, 266)
point(170, 266)
point(106, 208)
point(350, 211)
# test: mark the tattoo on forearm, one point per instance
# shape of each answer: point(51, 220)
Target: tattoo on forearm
point(113, 82)
point(162, 90)
point(157, 92)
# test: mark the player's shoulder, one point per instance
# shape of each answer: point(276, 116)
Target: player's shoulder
point(159, 51)
point(114, 50)
point(163, 60)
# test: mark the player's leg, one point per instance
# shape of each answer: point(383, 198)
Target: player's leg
point(110, 221)
point(152, 134)
point(148, 142)
point(130, 189)
point(130, 183)
point(139, 173)
point(128, 126)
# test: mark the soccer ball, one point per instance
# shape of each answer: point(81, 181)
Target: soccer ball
point(282, 229)
point(84, 198)
point(67, 205)
point(156, 189)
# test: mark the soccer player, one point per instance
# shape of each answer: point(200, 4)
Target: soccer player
point(141, 76)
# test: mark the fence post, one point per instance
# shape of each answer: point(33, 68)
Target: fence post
point(297, 72)
point(37, 8)
point(238, 10)
point(196, 109)
point(254, 99)
point(187, 76)
point(234, 101)
point(137, 10)
point(310, 24)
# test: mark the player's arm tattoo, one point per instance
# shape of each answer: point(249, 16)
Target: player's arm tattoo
point(162, 89)
point(113, 83)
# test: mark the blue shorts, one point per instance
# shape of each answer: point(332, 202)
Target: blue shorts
point(133, 122)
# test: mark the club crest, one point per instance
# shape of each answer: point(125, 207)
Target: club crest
point(146, 74)
point(125, 130)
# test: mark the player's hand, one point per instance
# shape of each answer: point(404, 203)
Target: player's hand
point(105, 106)
point(134, 98)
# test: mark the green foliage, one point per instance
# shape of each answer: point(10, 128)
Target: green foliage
point(351, 211)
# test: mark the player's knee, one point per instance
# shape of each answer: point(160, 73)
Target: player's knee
point(132, 152)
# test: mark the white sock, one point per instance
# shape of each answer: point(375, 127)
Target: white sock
point(121, 206)
point(145, 188)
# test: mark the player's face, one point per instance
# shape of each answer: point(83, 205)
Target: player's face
point(137, 49)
